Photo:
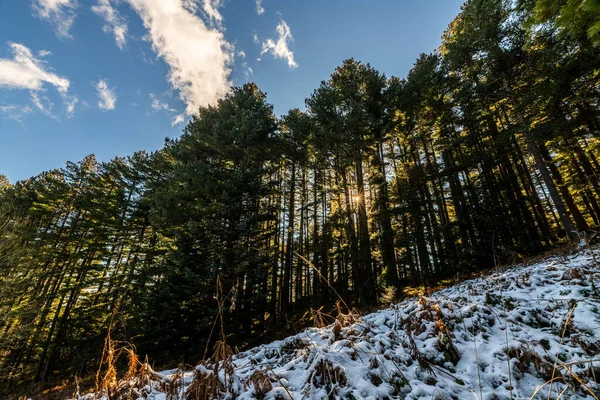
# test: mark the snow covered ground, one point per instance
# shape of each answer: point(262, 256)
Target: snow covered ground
point(531, 331)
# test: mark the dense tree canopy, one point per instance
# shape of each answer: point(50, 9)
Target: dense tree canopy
point(580, 19)
point(485, 153)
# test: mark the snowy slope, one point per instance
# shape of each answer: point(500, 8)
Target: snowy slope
point(499, 337)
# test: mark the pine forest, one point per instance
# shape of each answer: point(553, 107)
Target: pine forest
point(487, 153)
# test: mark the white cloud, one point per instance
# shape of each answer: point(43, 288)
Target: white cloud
point(211, 9)
point(199, 58)
point(70, 103)
point(107, 96)
point(114, 23)
point(179, 119)
point(43, 103)
point(260, 10)
point(255, 38)
point(241, 54)
point(157, 105)
point(15, 112)
point(25, 71)
point(44, 53)
point(280, 48)
point(247, 71)
point(60, 13)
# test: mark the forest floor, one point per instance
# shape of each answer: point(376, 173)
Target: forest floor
point(524, 332)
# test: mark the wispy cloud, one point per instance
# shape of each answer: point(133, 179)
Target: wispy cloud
point(279, 48)
point(191, 5)
point(158, 105)
point(107, 96)
point(15, 112)
point(260, 10)
point(25, 71)
point(211, 9)
point(179, 119)
point(114, 23)
point(70, 104)
point(199, 57)
point(60, 13)
point(247, 70)
point(43, 103)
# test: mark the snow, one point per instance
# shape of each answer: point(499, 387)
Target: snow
point(502, 336)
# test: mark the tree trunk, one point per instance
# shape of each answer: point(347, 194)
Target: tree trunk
point(541, 165)
point(289, 248)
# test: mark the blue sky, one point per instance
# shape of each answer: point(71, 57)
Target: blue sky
point(111, 77)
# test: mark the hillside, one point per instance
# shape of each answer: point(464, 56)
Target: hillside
point(524, 330)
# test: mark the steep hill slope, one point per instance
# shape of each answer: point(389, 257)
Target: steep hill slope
point(525, 330)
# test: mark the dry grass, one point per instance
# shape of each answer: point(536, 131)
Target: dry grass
point(261, 383)
point(174, 385)
point(138, 381)
point(205, 385)
point(327, 375)
point(445, 342)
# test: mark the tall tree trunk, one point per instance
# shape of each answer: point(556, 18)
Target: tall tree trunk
point(388, 252)
point(363, 232)
point(541, 165)
point(289, 247)
point(564, 190)
point(358, 279)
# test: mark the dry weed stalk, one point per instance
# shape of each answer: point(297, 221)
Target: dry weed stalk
point(327, 375)
point(445, 343)
point(174, 384)
point(325, 280)
point(541, 386)
point(222, 360)
point(281, 383)
point(107, 383)
point(319, 317)
point(578, 379)
point(204, 386)
point(416, 354)
point(132, 364)
point(352, 317)
point(138, 379)
point(526, 356)
point(566, 325)
point(206, 383)
point(262, 384)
